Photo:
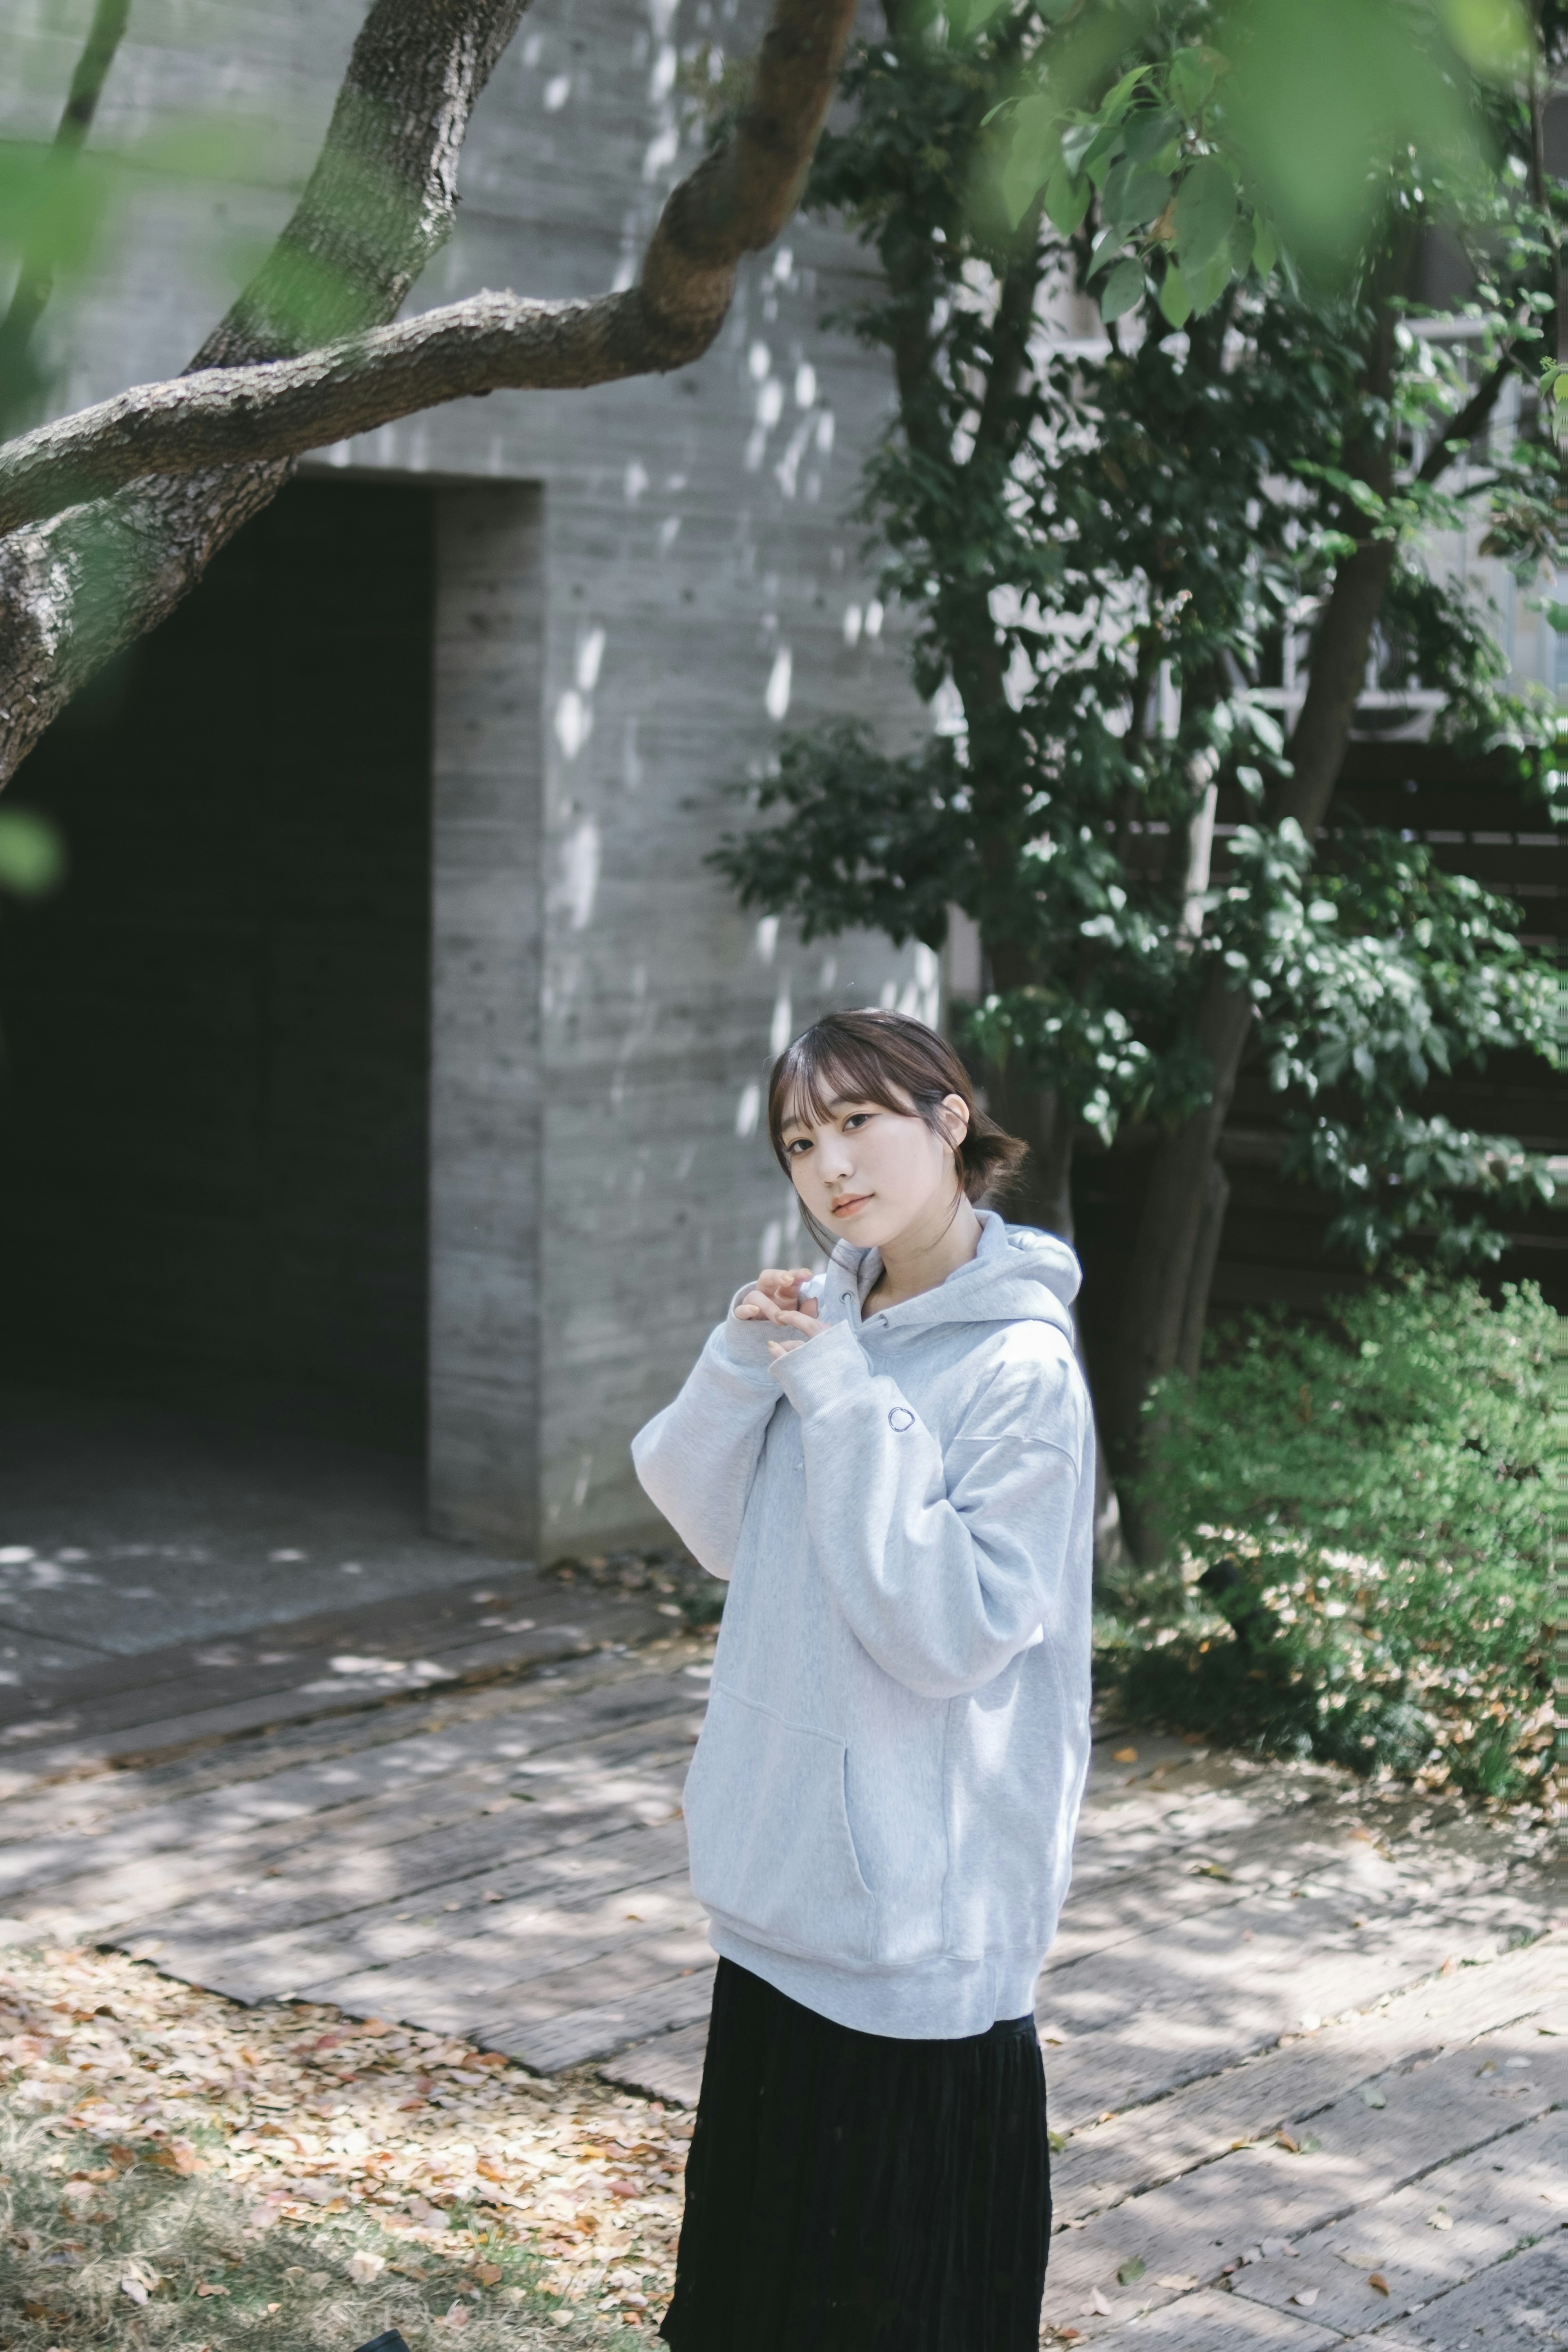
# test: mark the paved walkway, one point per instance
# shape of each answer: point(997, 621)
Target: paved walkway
point(1306, 2048)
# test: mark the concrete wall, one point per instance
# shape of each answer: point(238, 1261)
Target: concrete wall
point(486, 1081)
point(700, 589)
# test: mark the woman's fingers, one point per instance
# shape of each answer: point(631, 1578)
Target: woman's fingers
point(775, 1292)
point(806, 1325)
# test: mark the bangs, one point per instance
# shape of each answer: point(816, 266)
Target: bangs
point(814, 1073)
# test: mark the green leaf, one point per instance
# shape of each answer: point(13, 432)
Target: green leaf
point(1491, 35)
point(1265, 252)
point(1176, 301)
point(1133, 195)
point(32, 854)
point(1191, 78)
point(1117, 103)
point(1123, 290)
point(1206, 285)
point(1205, 212)
point(1150, 131)
point(1034, 150)
point(1131, 2269)
point(1067, 199)
point(966, 16)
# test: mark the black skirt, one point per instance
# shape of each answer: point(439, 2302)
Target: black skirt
point(852, 2192)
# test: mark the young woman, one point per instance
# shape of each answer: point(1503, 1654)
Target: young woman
point(893, 1466)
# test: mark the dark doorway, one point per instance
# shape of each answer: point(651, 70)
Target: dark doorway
point(214, 1109)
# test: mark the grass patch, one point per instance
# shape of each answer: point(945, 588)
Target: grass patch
point(112, 2245)
point(177, 2171)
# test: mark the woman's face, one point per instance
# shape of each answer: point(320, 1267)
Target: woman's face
point(871, 1174)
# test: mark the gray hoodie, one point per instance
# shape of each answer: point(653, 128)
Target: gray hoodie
point(881, 1806)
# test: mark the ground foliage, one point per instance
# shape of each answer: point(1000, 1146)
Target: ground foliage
point(1103, 557)
point(179, 2174)
point(1358, 1514)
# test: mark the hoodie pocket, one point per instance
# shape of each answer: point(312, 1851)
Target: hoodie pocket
point(769, 1833)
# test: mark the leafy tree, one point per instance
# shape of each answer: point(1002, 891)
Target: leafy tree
point(1104, 556)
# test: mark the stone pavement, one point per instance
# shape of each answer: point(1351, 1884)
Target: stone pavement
point(1305, 2042)
point(131, 1525)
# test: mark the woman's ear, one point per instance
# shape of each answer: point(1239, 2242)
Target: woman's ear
point(953, 1113)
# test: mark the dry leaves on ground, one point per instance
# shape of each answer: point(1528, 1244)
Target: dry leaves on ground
point(448, 2154)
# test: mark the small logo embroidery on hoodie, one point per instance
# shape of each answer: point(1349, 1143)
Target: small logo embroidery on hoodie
point(901, 1418)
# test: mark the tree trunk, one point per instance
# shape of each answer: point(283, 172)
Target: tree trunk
point(1205, 1258)
point(1165, 1287)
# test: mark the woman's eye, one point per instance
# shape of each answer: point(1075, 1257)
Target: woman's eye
point(856, 1119)
point(793, 1150)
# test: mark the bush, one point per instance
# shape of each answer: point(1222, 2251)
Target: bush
point(1357, 1514)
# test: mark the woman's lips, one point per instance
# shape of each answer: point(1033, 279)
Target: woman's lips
point(847, 1208)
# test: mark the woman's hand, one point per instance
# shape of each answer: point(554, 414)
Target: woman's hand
point(774, 1297)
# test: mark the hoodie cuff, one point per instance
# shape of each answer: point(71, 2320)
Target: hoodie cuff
point(821, 1370)
point(747, 1343)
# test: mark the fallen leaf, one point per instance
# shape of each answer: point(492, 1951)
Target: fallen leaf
point(1097, 2307)
point(1283, 2139)
point(1306, 2296)
point(1212, 1869)
point(1439, 2220)
point(458, 2315)
point(1180, 2282)
point(488, 2273)
point(1132, 2270)
point(1058, 2140)
point(1372, 2096)
point(1126, 1756)
point(134, 2289)
point(1375, 2279)
point(363, 2267)
point(204, 2288)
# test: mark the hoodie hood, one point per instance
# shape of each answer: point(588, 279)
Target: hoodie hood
point(1017, 1274)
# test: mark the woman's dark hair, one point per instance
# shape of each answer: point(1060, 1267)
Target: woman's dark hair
point(895, 1060)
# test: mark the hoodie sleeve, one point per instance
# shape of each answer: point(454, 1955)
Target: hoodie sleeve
point(697, 1458)
point(944, 1569)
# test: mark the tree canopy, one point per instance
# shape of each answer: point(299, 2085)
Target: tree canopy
point(1112, 552)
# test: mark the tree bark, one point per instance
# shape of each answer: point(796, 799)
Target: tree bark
point(379, 204)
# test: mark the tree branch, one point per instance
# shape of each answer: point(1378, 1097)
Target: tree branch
point(1462, 429)
point(35, 278)
point(308, 354)
point(732, 204)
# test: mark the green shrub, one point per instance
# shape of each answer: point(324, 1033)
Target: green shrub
point(1356, 1512)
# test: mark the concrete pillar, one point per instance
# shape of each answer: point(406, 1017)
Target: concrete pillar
point(486, 1095)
